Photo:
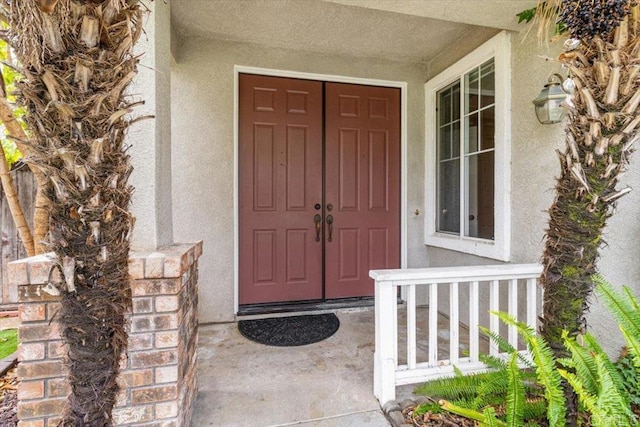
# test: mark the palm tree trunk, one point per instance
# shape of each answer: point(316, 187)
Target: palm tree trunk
point(77, 59)
point(601, 129)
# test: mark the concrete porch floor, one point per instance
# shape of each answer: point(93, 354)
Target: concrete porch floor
point(330, 383)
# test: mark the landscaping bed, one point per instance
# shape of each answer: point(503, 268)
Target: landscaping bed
point(9, 398)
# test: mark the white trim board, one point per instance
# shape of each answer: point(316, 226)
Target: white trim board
point(240, 69)
point(499, 48)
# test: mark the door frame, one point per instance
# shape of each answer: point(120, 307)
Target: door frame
point(241, 69)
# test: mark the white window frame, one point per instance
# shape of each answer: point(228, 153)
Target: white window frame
point(498, 48)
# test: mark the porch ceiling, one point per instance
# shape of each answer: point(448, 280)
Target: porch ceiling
point(400, 30)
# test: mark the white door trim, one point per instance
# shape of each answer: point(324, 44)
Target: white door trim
point(240, 69)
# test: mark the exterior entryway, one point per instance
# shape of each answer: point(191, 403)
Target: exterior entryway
point(319, 188)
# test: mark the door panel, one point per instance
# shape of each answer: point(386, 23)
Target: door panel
point(362, 184)
point(280, 181)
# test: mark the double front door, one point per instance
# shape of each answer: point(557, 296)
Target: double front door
point(319, 188)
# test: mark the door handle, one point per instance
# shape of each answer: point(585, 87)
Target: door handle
point(318, 220)
point(330, 224)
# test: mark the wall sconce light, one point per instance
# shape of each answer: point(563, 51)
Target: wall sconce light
point(548, 104)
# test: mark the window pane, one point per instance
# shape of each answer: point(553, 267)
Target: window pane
point(471, 132)
point(455, 102)
point(444, 138)
point(449, 196)
point(487, 121)
point(471, 91)
point(479, 178)
point(487, 83)
point(455, 139)
point(445, 106)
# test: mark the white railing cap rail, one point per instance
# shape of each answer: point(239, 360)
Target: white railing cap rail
point(457, 274)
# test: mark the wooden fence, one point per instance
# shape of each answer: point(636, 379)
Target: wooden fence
point(12, 248)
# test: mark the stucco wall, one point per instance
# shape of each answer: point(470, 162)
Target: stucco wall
point(203, 167)
point(534, 166)
point(203, 91)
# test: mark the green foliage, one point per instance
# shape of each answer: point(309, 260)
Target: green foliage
point(526, 16)
point(630, 375)
point(8, 342)
point(9, 76)
point(516, 396)
point(546, 372)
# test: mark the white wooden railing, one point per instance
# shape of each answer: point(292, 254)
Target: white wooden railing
point(496, 281)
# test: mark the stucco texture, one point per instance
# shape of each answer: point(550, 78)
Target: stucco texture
point(202, 91)
point(203, 149)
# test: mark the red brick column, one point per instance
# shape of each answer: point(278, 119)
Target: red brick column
point(158, 376)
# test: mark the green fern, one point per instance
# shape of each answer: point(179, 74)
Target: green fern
point(455, 387)
point(546, 371)
point(516, 396)
point(623, 306)
point(487, 417)
point(582, 363)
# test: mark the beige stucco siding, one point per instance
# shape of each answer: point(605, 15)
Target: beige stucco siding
point(203, 162)
point(534, 166)
point(203, 149)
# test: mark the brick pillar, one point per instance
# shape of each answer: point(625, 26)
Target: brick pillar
point(158, 377)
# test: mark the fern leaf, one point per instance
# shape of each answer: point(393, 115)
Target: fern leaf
point(633, 344)
point(490, 417)
point(471, 414)
point(588, 400)
point(611, 398)
point(583, 363)
point(604, 359)
point(504, 346)
point(546, 371)
point(493, 362)
point(624, 307)
point(515, 394)
point(454, 387)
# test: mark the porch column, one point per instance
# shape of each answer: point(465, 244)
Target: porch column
point(150, 139)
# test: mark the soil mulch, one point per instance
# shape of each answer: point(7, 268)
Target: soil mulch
point(9, 399)
point(429, 419)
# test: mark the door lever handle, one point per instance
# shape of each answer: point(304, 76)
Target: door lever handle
point(318, 220)
point(330, 224)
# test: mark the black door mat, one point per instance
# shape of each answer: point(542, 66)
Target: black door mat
point(290, 331)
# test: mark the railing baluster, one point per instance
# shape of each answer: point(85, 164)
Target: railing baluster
point(411, 326)
point(474, 321)
point(532, 303)
point(454, 323)
point(513, 311)
point(494, 322)
point(433, 324)
point(388, 374)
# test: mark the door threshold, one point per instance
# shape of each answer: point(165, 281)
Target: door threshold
point(304, 306)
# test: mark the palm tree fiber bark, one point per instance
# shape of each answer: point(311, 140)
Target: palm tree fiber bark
point(601, 129)
point(77, 60)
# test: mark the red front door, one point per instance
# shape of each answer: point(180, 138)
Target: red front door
point(362, 186)
point(319, 204)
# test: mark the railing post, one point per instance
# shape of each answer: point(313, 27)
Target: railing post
point(386, 323)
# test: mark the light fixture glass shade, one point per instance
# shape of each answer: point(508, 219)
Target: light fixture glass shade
point(548, 104)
